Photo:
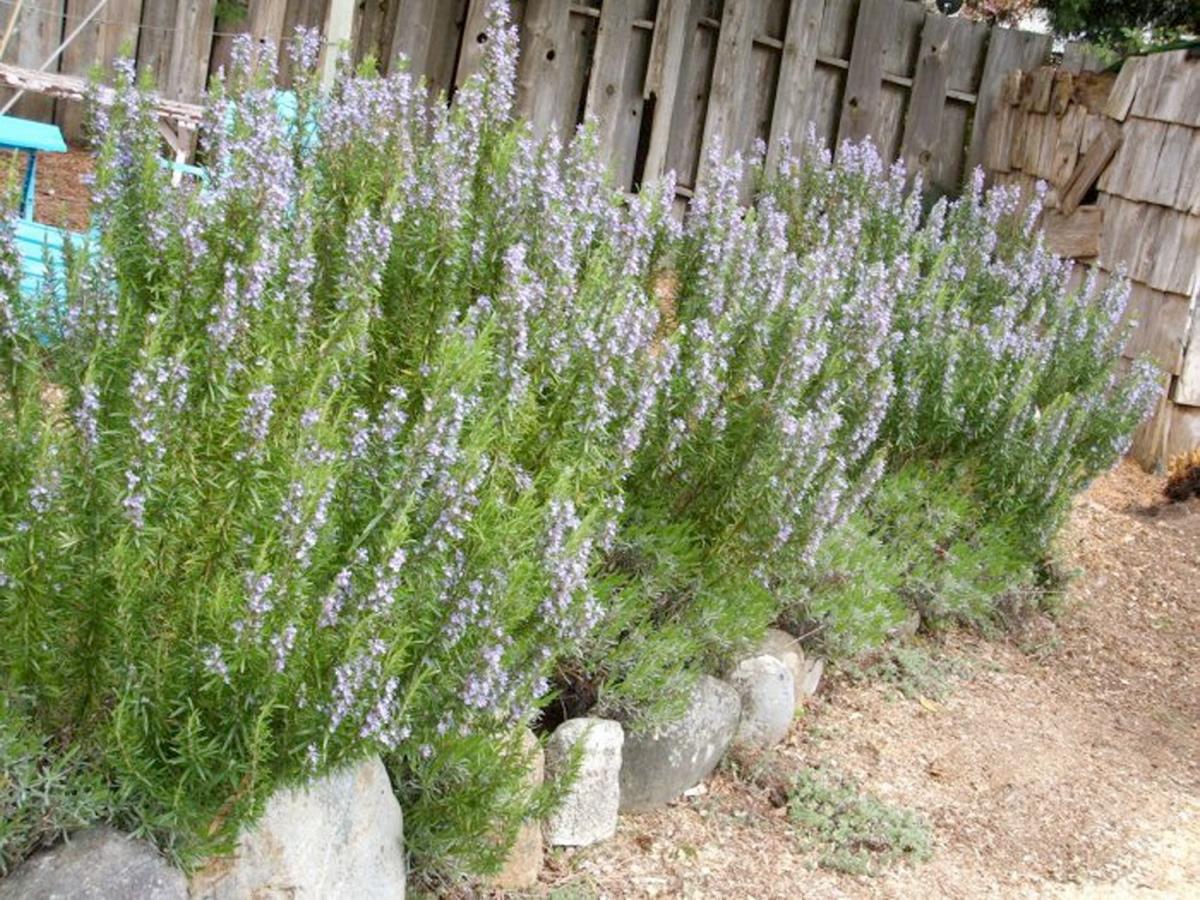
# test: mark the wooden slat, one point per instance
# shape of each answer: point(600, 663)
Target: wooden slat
point(36, 34)
point(1120, 98)
point(691, 99)
point(1007, 50)
point(829, 78)
point(1182, 431)
point(797, 66)
point(1143, 144)
point(616, 86)
point(1066, 147)
point(1187, 390)
point(607, 97)
point(899, 59)
point(730, 77)
point(475, 35)
point(191, 43)
point(336, 33)
point(426, 32)
point(1170, 89)
point(875, 27)
point(1089, 168)
point(1076, 236)
point(264, 20)
point(541, 94)
point(154, 43)
point(674, 20)
point(1187, 194)
point(77, 59)
point(1166, 256)
point(1161, 323)
point(948, 58)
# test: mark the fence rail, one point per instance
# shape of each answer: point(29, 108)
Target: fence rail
point(665, 79)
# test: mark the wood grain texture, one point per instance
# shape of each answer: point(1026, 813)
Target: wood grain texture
point(36, 34)
point(875, 27)
point(1076, 235)
point(544, 62)
point(1160, 323)
point(797, 67)
point(1091, 165)
point(730, 81)
point(674, 21)
point(1007, 51)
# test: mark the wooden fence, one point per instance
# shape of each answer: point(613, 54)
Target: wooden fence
point(664, 78)
point(1121, 156)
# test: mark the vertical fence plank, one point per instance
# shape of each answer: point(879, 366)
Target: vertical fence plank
point(797, 68)
point(833, 59)
point(36, 34)
point(264, 19)
point(674, 20)
point(608, 100)
point(899, 63)
point(1007, 51)
point(541, 71)
point(475, 35)
point(731, 71)
point(338, 31)
point(691, 97)
point(154, 43)
point(934, 129)
point(191, 45)
point(412, 33)
point(77, 59)
point(875, 27)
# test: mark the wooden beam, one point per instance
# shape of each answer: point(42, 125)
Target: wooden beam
point(1090, 167)
point(1008, 50)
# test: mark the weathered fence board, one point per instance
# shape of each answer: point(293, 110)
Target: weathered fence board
point(36, 34)
point(665, 80)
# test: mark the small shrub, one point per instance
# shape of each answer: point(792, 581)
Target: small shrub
point(45, 791)
point(853, 831)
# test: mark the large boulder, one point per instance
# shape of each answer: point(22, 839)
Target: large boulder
point(768, 694)
point(788, 651)
point(96, 864)
point(524, 863)
point(588, 813)
point(661, 764)
point(340, 836)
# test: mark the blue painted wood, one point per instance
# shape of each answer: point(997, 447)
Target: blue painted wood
point(24, 134)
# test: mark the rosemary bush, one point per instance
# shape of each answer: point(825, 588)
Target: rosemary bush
point(1010, 394)
point(325, 452)
point(403, 422)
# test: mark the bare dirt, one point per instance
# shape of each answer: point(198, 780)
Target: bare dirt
point(61, 197)
point(1064, 760)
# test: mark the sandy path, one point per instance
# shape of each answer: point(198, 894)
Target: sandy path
point(1064, 760)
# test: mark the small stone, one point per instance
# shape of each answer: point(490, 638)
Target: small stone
point(96, 864)
point(788, 651)
point(661, 764)
point(768, 694)
point(588, 813)
point(340, 836)
point(520, 871)
point(813, 667)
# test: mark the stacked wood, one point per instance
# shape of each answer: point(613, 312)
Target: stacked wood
point(1122, 156)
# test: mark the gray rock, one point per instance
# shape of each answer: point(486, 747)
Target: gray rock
point(813, 667)
point(341, 836)
point(768, 693)
point(660, 765)
point(588, 813)
point(96, 864)
point(788, 651)
point(524, 863)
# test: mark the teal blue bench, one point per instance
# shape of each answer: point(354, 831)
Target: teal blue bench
point(40, 246)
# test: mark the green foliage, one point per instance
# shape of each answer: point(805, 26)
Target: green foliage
point(45, 790)
point(853, 831)
point(1125, 25)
